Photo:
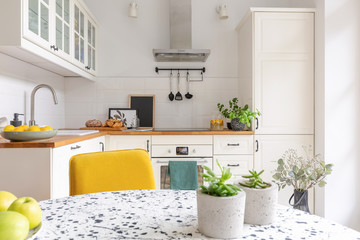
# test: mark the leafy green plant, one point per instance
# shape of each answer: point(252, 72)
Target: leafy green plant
point(301, 172)
point(235, 111)
point(254, 180)
point(217, 185)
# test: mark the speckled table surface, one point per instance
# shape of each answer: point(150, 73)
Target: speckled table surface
point(164, 214)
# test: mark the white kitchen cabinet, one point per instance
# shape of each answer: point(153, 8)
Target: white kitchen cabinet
point(276, 69)
point(42, 173)
point(44, 33)
point(234, 152)
point(128, 142)
point(270, 148)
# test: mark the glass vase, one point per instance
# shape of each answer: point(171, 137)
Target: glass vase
point(300, 200)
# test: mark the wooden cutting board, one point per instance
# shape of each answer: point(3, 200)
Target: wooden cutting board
point(104, 128)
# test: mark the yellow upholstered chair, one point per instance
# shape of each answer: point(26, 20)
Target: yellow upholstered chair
point(111, 171)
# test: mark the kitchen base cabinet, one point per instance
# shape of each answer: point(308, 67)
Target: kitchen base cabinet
point(270, 148)
point(41, 173)
point(238, 164)
point(128, 142)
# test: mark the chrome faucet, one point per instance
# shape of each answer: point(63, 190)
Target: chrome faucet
point(32, 120)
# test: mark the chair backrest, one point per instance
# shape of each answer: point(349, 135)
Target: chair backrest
point(111, 171)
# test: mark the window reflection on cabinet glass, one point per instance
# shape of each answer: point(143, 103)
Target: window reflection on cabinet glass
point(44, 22)
point(93, 60)
point(66, 11)
point(76, 37)
point(66, 39)
point(82, 24)
point(59, 8)
point(34, 16)
point(89, 56)
point(82, 50)
point(46, 1)
point(93, 36)
point(89, 33)
point(77, 19)
point(59, 33)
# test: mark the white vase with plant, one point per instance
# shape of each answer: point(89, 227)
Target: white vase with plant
point(261, 199)
point(220, 206)
point(303, 173)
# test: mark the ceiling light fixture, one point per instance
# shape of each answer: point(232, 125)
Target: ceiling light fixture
point(133, 9)
point(222, 11)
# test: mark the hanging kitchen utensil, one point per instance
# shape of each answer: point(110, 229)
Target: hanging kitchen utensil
point(188, 95)
point(178, 95)
point(171, 95)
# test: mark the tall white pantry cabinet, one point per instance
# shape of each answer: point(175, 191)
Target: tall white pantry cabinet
point(276, 76)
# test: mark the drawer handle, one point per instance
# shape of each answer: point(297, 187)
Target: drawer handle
point(76, 147)
point(233, 165)
point(233, 144)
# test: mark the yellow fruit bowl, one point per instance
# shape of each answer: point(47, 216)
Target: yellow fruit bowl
point(28, 135)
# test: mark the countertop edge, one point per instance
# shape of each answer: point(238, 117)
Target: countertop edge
point(62, 140)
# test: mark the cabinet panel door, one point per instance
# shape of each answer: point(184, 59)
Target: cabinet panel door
point(238, 164)
point(60, 163)
point(128, 142)
point(79, 35)
point(62, 29)
point(270, 149)
point(284, 72)
point(232, 144)
point(38, 22)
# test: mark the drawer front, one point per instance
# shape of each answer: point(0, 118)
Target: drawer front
point(238, 164)
point(182, 139)
point(230, 144)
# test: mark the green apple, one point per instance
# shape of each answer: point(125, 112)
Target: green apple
point(28, 207)
point(6, 199)
point(13, 225)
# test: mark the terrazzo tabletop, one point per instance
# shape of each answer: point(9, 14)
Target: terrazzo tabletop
point(164, 214)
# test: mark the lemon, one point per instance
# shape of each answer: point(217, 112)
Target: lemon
point(46, 128)
point(9, 128)
point(33, 129)
point(18, 129)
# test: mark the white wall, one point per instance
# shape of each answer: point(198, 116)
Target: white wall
point(342, 110)
point(17, 79)
point(126, 65)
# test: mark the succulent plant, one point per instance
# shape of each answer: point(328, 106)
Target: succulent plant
point(301, 172)
point(217, 185)
point(254, 180)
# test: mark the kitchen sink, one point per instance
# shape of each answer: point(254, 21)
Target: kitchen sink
point(76, 132)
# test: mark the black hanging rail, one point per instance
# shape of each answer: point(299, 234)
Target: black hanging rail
point(179, 69)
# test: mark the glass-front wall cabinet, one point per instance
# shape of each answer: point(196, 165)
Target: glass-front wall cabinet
point(62, 26)
point(37, 21)
point(79, 35)
point(91, 45)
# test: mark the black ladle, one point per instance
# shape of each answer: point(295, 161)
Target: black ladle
point(188, 95)
point(171, 95)
point(178, 95)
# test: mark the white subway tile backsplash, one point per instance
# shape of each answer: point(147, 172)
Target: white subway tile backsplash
point(114, 92)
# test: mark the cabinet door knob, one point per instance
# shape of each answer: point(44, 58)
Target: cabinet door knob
point(257, 146)
point(102, 146)
point(54, 47)
point(233, 165)
point(257, 123)
point(147, 145)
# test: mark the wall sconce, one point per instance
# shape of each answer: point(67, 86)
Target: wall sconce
point(133, 9)
point(222, 11)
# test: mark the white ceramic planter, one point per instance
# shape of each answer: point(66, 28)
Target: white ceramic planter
point(221, 217)
point(261, 205)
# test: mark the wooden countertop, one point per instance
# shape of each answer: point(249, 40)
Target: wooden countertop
point(61, 140)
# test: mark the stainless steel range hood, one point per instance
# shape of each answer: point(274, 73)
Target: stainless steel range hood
point(180, 37)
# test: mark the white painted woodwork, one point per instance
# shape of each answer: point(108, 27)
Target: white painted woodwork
point(60, 163)
point(276, 70)
point(182, 139)
point(128, 142)
point(42, 173)
point(20, 42)
point(238, 164)
point(233, 144)
point(270, 149)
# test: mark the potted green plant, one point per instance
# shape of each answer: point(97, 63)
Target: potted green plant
point(220, 206)
point(239, 116)
point(261, 199)
point(302, 173)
